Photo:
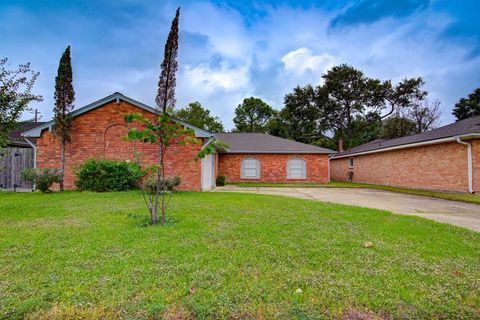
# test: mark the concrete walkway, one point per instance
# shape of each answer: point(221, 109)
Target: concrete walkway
point(458, 213)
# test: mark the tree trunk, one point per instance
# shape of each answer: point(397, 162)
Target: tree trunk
point(163, 185)
point(62, 164)
point(155, 201)
point(349, 124)
point(153, 214)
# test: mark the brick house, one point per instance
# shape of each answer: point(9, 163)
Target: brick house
point(258, 157)
point(98, 128)
point(446, 158)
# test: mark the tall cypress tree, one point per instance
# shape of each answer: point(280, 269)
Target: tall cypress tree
point(64, 98)
point(167, 81)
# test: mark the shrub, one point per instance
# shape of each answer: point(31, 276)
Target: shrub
point(107, 175)
point(42, 178)
point(220, 181)
point(350, 175)
point(171, 184)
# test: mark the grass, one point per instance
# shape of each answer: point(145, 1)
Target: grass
point(228, 256)
point(455, 196)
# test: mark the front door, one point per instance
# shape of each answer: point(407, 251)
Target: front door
point(208, 171)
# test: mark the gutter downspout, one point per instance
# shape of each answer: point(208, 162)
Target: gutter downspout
point(207, 143)
point(470, 170)
point(34, 156)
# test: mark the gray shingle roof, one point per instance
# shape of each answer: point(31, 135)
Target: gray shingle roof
point(459, 128)
point(15, 136)
point(264, 143)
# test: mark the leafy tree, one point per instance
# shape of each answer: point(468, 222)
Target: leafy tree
point(396, 127)
point(299, 119)
point(200, 117)
point(345, 106)
point(64, 98)
point(424, 114)
point(367, 128)
point(351, 94)
point(15, 95)
point(468, 107)
point(163, 132)
point(253, 116)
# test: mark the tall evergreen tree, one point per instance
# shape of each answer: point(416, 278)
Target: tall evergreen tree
point(64, 98)
point(163, 132)
point(167, 81)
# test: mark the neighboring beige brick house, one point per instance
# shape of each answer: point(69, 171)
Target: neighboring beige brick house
point(447, 158)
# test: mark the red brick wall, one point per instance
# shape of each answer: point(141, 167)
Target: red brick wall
point(273, 167)
point(97, 134)
point(476, 165)
point(436, 167)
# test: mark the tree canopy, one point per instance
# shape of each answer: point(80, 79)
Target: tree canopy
point(468, 107)
point(200, 117)
point(253, 115)
point(16, 87)
point(351, 106)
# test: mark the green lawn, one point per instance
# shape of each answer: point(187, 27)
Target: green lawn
point(231, 256)
point(455, 196)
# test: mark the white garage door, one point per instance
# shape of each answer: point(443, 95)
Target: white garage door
point(208, 171)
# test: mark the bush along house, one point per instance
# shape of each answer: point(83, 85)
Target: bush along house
point(98, 128)
point(446, 158)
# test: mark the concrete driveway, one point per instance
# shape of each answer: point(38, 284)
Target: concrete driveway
point(458, 213)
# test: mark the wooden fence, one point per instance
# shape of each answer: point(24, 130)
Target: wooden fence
point(12, 161)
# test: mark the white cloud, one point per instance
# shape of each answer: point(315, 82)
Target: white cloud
point(224, 28)
point(226, 56)
point(219, 89)
point(224, 78)
point(301, 60)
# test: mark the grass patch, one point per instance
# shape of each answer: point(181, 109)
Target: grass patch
point(88, 255)
point(455, 196)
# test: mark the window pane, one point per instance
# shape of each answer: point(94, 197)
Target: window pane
point(250, 164)
point(250, 169)
point(296, 169)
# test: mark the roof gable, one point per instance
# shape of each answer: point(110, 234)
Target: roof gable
point(37, 131)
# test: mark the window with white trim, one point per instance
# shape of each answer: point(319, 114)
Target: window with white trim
point(296, 169)
point(250, 169)
point(350, 162)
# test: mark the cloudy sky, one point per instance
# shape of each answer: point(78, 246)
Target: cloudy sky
point(230, 50)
